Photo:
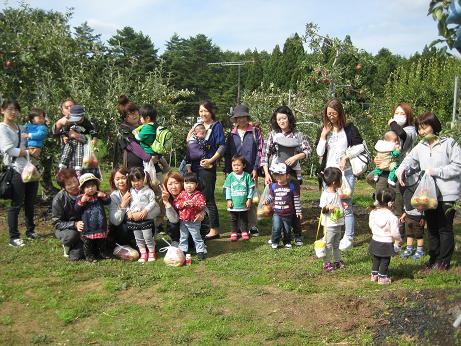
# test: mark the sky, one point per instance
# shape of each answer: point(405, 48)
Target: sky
point(402, 26)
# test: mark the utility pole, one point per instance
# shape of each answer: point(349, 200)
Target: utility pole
point(455, 102)
point(238, 64)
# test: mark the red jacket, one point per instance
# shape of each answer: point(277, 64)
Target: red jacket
point(189, 205)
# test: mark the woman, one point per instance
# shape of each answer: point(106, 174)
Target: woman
point(245, 139)
point(285, 145)
point(14, 155)
point(65, 217)
point(440, 158)
point(206, 171)
point(120, 200)
point(338, 142)
point(402, 124)
point(171, 188)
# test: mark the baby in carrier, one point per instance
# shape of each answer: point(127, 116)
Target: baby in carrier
point(197, 147)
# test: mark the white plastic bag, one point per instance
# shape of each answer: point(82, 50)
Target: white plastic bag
point(425, 196)
point(264, 210)
point(174, 256)
point(345, 191)
point(30, 173)
point(149, 167)
point(126, 253)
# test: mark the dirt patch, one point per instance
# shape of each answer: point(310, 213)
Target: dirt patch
point(16, 323)
point(424, 317)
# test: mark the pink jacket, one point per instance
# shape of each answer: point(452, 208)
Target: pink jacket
point(384, 225)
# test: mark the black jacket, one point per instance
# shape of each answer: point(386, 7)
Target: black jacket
point(353, 138)
point(63, 211)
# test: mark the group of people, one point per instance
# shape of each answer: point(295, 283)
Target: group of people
point(145, 191)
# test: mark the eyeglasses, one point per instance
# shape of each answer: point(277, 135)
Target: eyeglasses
point(332, 113)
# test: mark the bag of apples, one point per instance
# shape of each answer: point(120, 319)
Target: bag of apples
point(264, 209)
point(425, 196)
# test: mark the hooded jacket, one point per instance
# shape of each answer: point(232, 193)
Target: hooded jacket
point(384, 225)
point(444, 162)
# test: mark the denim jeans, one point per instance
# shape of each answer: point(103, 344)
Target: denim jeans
point(207, 178)
point(20, 191)
point(349, 212)
point(192, 228)
point(280, 223)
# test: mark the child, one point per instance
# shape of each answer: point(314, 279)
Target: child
point(36, 131)
point(90, 206)
point(385, 228)
point(197, 147)
point(76, 133)
point(284, 195)
point(145, 134)
point(239, 188)
point(332, 217)
point(389, 152)
point(189, 203)
point(414, 224)
point(141, 213)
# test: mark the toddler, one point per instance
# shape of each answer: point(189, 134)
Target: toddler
point(141, 213)
point(285, 199)
point(90, 206)
point(76, 132)
point(36, 131)
point(414, 225)
point(332, 217)
point(239, 188)
point(385, 228)
point(189, 203)
point(388, 153)
point(197, 147)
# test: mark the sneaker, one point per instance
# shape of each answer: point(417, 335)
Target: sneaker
point(418, 255)
point(142, 257)
point(32, 235)
point(328, 267)
point(345, 244)
point(200, 256)
point(375, 178)
point(245, 235)
point(407, 253)
point(384, 280)
point(269, 241)
point(339, 265)
point(391, 183)
point(374, 277)
point(397, 248)
point(299, 241)
point(66, 251)
point(287, 246)
point(274, 246)
point(234, 236)
point(254, 231)
point(151, 257)
point(17, 242)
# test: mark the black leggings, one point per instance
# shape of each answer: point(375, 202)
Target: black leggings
point(239, 220)
point(207, 179)
point(380, 265)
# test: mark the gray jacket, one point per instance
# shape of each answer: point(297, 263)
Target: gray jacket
point(63, 211)
point(9, 147)
point(444, 161)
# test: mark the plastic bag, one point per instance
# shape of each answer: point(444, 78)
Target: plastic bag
point(126, 253)
point(30, 173)
point(149, 167)
point(89, 157)
point(256, 196)
point(174, 256)
point(345, 191)
point(264, 210)
point(425, 196)
point(320, 246)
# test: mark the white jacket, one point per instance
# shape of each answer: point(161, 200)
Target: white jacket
point(384, 225)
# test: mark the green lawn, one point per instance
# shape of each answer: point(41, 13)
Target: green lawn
point(245, 293)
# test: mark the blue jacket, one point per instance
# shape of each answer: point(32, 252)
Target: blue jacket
point(216, 140)
point(38, 134)
point(250, 148)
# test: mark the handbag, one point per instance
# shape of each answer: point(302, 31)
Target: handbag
point(6, 177)
point(320, 246)
point(360, 162)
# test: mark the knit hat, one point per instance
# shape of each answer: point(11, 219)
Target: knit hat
point(76, 114)
point(87, 177)
point(278, 168)
point(240, 111)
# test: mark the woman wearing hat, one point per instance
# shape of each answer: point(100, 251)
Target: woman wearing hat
point(245, 139)
point(207, 170)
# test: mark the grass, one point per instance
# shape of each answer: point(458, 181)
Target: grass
point(244, 293)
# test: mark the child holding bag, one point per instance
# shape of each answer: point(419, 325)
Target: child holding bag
point(385, 228)
point(332, 217)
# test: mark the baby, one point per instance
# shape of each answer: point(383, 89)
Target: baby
point(197, 146)
point(386, 159)
point(36, 131)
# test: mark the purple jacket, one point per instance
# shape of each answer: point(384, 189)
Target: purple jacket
point(251, 148)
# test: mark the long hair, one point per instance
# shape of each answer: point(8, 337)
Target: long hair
point(408, 112)
point(209, 107)
point(338, 107)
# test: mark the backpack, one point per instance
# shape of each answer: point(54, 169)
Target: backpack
point(163, 141)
